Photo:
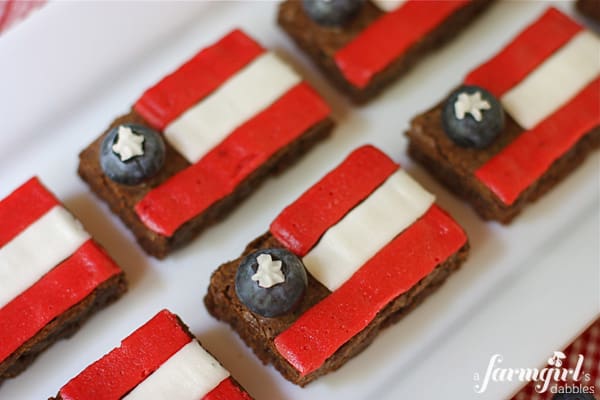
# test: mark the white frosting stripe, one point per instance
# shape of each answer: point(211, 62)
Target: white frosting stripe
point(244, 95)
point(388, 5)
point(189, 374)
point(555, 81)
point(349, 244)
point(36, 250)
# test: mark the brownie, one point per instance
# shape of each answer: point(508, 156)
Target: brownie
point(514, 149)
point(589, 8)
point(164, 323)
point(454, 166)
point(123, 198)
point(321, 42)
point(371, 244)
point(215, 163)
point(55, 275)
point(259, 332)
point(64, 326)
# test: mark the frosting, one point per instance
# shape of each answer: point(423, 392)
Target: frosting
point(269, 272)
point(470, 104)
point(189, 374)
point(22, 207)
point(227, 390)
point(390, 209)
point(555, 81)
point(388, 5)
point(36, 250)
point(191, 191)
point(525, 53)
point(396, 268)
point(138, 356)
point(128, 144)
point(390, 36)
point(196, 79)
point(523, 161)
point(56, 292)
point(243, 95)
point(302, 223)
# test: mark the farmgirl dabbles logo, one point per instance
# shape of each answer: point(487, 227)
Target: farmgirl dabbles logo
point(548, 377)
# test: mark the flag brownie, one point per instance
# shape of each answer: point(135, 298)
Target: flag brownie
point(52, 276)
point(373, 244)
point(160, 360)
point(380, 41)
point(229, 117)
point(547, 81)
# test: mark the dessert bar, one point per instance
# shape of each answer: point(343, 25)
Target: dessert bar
point(201, 140)
point(520, 122)
point(160, 360)
point(53, 276)
point(352, 255)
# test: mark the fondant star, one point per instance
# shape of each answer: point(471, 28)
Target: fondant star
point(268, 272)
point(472, 104)
point(128, 144)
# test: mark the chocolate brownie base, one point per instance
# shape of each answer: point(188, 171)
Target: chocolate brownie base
point(589, 8)
point(259, 332)
point(190, 334)
point(455, 166)
point(64, 326)
point(321, 43)
point(122, 198)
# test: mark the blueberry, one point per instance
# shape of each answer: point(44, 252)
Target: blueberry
point(472, 117)
point(271, 297)
point(331, 12)
point(131, 153)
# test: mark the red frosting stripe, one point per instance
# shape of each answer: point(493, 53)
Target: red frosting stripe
point(23, 207)
point(193, 190)
point(196, 79)
point(300, 226)
point(64, 286)
point(227, 390)
point(522, 162)
point(525, 53)
point(412, 255)
point(139, 355)
point(388, 37)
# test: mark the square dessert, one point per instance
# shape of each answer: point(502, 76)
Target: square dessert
point(53, 276)
point(201, 140)
point(520, 122)
point(352, 255)
point(589, 8)
point(160, 360)
point(363, 46)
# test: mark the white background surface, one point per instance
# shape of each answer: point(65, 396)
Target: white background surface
point(526, 290)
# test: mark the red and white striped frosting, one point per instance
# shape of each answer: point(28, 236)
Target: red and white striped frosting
point(368, 232)
point(160, 360)
point(226, 111)
point(48, 263)
point(403, 24)
point(548, 80)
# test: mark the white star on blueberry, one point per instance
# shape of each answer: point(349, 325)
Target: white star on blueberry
point(128, 144)
point(268, 272)
point(470, 104)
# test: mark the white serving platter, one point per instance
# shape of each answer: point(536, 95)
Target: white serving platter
point(526, 290)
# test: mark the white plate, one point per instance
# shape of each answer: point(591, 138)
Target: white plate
point(526, 290)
